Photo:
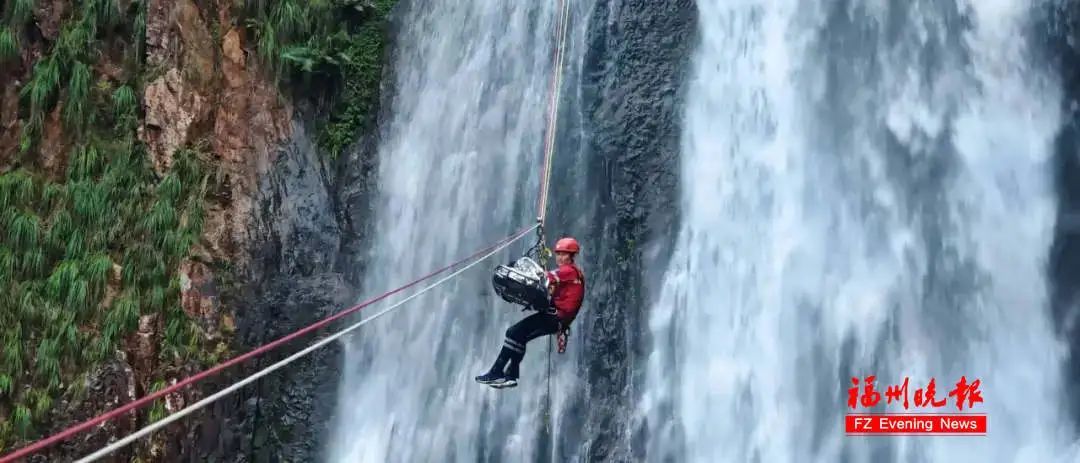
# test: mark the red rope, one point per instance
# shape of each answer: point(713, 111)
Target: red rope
point(85, 425)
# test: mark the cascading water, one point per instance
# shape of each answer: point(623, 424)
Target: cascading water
point(866, 190)
point(459, 169)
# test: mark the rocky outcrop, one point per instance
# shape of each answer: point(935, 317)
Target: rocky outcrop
point(49, 16)
point(143, 350)
point(162, 45)
point(250, 123)
point(199, 293)
point(635, 67)
point(9, 124)
point(271, 235)
point(110, 386)
point(270, 220)
point(211, 91)
point(284, 418)
point(1062, 23)
point(172, 107)
point(54, 144)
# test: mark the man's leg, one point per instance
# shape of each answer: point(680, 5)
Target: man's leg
point(532, 327)
point(496, 372)
point(513, 347)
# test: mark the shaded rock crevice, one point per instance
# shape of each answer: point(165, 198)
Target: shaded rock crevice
point(633, 85)
point(1059, 30)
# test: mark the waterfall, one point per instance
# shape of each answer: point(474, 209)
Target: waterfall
point(459, 165)
point(866, 190)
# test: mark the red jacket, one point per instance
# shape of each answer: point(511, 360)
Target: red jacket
point(569, 283)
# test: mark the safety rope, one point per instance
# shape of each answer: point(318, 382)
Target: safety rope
point(553, 108)
point(224, 392)
point(545, 176)
point(549, 147)
point(82, 427)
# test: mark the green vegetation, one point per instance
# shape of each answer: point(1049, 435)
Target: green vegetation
point(326, 46)
point(21, 12)
point(92, 241)
point(86, 251)
point(9, 45)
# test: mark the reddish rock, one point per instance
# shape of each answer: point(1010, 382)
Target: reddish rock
point(250, 124)
point(172, 109)
point(54, 145)
point(162, 43)
point(111, 385)
point(252, 120)
point(9, 125)
point(198, 292)
point(145, 349)
point(49, 16)
point(197, 52)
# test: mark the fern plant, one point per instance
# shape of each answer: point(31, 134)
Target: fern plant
point(23, 230)
point(47, 362)
point(97, 272)
point(157, 411)
point(85, 163)
point(75, 111)
point(124, 105)
point(41, 402)
point(7, 266)
point(13, 357)
point(62, 280)
point(5, 384)
point(17, 189)
point(21, 12)
point(139, 31)
point(9, 45)
point(76, 39)
point(32, 264)
point(20, 419)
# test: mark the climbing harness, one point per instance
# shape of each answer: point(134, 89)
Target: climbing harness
point(539, 250)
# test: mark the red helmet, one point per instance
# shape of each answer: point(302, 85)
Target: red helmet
point(567, 245)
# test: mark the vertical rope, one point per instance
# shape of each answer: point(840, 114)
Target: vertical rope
point(553, 108)
point(545, 176)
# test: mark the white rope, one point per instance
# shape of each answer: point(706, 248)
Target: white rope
point(553, 111)
point(233, 388)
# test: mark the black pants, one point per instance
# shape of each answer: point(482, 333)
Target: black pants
point(518, 335)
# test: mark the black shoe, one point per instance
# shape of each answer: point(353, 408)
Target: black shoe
point(490, 378)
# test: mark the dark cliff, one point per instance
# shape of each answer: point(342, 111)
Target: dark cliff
point(632, 87)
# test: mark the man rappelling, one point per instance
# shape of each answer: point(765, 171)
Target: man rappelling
point(556, 307)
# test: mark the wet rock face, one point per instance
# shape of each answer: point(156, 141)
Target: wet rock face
point(292, 281)
point(633, 82)
point(284, 416)
point(296, 228)
point(110, 386)
point(1061, 26)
